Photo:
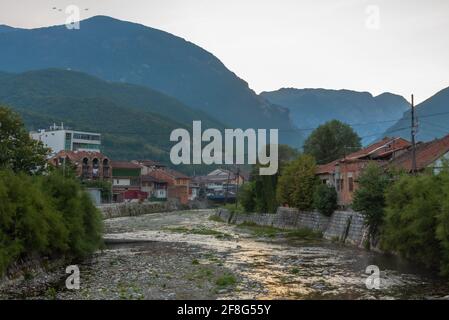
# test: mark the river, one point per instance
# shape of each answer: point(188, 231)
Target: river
point(189, 255)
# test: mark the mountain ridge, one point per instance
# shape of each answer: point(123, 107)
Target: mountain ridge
point(123, 51)
point(311, 107)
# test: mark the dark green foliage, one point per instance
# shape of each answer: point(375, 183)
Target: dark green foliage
point(265, 193)
point(260, 194)
point(369, 198)
point(82, 219)
point(325, 199)
point(331, 141)
point(246, 197)
point(45, 216)
point(442, 231)
point(18, 151)
point(297, 183)
point(413, 205)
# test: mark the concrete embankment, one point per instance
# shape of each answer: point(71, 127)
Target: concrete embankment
point(344, 226)
point(129, 209)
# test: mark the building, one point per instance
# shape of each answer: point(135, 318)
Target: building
point(429, 155)
point(220, 184)
point(57, 138)
point(89, 165)
point(177, 183)
point(149, 165)
point(156, 188)
point(343, 173)
point(126, 182)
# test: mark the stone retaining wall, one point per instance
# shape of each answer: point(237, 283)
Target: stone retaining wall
point(115, 210)
point(344, 226)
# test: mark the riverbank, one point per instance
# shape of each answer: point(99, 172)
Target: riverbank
point(343, 226)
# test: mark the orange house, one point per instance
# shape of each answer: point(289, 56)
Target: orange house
point(343, 173)
point(177, 183)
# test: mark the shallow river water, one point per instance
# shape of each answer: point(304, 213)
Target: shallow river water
point(188, 255)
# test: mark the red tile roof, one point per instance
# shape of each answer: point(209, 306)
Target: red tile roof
point(326, 168)
point(176, 174)
point(426, 154)
point(150, 178)
point(381, 148)
point(124, 165)
point(150, 163)
point(377, 150)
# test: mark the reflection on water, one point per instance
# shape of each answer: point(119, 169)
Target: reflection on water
point(267, 267)
point(295, 269)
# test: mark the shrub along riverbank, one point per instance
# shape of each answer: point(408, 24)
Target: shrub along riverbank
point(45, 216)
point(408, 213)
point(42, 212)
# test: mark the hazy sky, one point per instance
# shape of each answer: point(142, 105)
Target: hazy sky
point(401, 46)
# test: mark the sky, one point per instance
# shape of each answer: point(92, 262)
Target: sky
point(365, 45)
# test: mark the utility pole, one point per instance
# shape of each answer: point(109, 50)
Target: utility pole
point(227, 186)
point(237, 187)
point(413, 132)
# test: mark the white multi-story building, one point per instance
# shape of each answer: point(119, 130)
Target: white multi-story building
point(57, 138)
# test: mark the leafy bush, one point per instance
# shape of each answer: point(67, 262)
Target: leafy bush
point(297, 183)
point(18, 151)
point(413, 204)
point(246, 197)
point(325, 199)
point(44, 216)
point(369, 198)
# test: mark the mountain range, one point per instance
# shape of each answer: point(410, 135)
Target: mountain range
point(135, 84)
point(127, 52)
point(369, 116)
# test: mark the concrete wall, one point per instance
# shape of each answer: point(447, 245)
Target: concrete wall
point(345, 226)
point(134, 209)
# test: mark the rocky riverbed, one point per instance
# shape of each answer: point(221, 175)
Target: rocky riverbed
point(193, 255)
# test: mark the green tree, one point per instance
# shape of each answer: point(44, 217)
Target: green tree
point(369, 198)
point(246, 197)
point(412, 207)
point(442, 230)
point(331, 141)
point(325, 199)
point(29, 223)
point(81, 218)
point(18, 151)
point(297, 183)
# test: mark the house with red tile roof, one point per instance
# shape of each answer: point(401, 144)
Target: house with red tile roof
point(429, 155)
point(126, 181)
point(89, 165)
point(343, 173)
point(178, 184)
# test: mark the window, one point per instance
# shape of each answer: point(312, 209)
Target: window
point(82, 136)
point(351, 184)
